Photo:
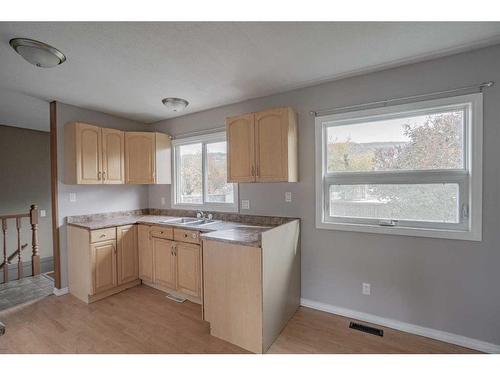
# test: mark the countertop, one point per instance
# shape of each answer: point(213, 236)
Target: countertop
point(224, 231)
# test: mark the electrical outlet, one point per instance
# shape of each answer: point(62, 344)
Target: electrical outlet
point(288, 196)
point(245, 204)
point(366, 289)
point(163, 201)
point(43, 213)
point(72, 197)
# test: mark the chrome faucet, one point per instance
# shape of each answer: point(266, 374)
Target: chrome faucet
point(200, 214)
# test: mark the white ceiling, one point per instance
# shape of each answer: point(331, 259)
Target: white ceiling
point(127, 68)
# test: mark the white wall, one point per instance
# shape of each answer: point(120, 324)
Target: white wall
point(92, 198)
point(447, 285)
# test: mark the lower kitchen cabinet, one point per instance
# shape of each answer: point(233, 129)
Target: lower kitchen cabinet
point(164, 267)
point(103, 259)
point(173, 266)
point(102, 262)
point(188, 266)
point(145, 254)
point(127, 259)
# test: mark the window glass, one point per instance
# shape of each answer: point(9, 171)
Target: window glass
point(218, 190)
point(190, 173)
point(426, 142)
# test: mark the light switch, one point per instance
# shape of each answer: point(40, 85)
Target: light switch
point(72, 197)
point(43, 213)
point(245, 204)
point(288, 196)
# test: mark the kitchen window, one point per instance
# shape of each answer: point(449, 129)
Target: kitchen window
point(200, 174)
point(413, 169)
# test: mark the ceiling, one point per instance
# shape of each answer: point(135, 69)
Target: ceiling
point(127, 68)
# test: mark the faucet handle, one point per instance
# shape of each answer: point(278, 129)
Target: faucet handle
point(210, 216)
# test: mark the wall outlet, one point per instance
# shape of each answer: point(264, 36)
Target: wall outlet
point(72, 197)
point(245, 204)
point(288, 196)
point(43, 213)
point(163, 201)
point(366, 289)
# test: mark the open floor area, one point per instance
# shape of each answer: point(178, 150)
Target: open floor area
point(25, 290)
point(142, 320)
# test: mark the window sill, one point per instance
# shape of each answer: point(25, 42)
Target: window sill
point(404, 231)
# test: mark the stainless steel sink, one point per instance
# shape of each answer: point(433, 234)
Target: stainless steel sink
point(204, 222)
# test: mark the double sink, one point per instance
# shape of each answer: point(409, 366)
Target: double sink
point(195, 222)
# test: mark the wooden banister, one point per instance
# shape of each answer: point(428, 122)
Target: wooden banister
point(35, 257)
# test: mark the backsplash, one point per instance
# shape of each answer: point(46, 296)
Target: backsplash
point(234, 217)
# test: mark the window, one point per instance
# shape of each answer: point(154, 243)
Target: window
point(200, 174)
point(411, 169)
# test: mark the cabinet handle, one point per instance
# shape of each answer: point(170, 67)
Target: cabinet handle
point(253, 171)
point(99, 175)
point(104, 175)
point(172, 249)
point(257, 174)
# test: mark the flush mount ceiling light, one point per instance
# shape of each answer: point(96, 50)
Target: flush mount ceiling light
point(37, 53)
point(175, 104)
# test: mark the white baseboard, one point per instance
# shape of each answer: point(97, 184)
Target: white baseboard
point(451, 338)
point(61, 292)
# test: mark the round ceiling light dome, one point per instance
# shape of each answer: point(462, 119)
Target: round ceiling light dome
point(175, 104)
point(37, 53)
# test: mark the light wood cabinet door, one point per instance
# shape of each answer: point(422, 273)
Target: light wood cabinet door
point(271, 140)
point(164, 265)
point(103, 266)
point(140, 157)
point(113, 156)
point(188, 268)
point(145, 254)
point(88, 154)
point(127, 254)
point(240, 148)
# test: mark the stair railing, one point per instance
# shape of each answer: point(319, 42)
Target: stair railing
point(7, 258)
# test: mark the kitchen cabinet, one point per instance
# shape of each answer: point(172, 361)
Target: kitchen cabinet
point(263, 146)
point(170, 260)
point(250, 293)
point(95, 155)
point(164, 263)
point(145, 254)
point(113, 156)
point(127, 254)
point(147, 158)
point(188, 268)
point(102, 262)
point(103, 266)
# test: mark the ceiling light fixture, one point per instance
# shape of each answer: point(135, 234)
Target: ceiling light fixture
point(37, 53)
point(175, 104)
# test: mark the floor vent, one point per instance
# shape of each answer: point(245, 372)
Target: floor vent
point(363, 328)
point(175, 298)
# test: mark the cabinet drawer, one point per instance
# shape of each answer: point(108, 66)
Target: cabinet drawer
point(102, 235)
point(161, 232)
point(184, 235)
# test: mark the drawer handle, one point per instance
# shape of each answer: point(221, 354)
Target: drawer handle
point(161, 232)
point(185, 235)
point(102, 235)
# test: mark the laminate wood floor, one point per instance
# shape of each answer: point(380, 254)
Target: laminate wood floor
point(142, 320)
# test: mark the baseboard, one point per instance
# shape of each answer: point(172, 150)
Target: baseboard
point(61, 292)
point(435, 334)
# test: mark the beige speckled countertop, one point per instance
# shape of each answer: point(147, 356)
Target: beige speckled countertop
point(224, 231)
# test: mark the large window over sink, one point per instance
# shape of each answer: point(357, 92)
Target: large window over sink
point(412, 169)
point(200, 174)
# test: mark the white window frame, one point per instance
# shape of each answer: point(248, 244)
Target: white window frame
point(469, 178)
point(209, 206)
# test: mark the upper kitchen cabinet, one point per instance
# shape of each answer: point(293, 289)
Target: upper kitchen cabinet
point(262, 146)
point(93, 155)
point(147, 158)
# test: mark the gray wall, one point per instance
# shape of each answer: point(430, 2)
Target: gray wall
point(92, 198)
point(443, 284)
point(24, 180)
